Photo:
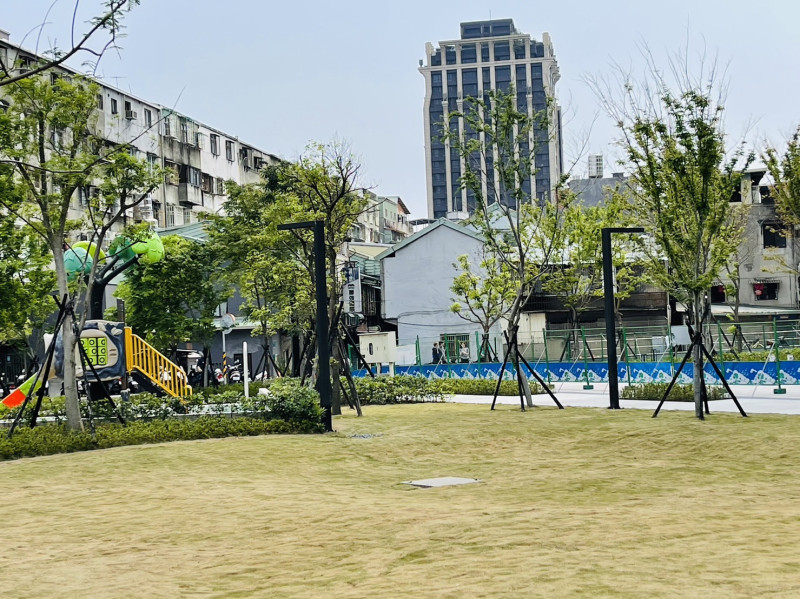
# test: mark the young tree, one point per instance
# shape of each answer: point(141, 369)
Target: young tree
point(27, 281)
point(260, 260)
point(326, 183)
point(482, 295)
point(785, 171)
point(322, 185)
point(108, 26)
point(497, 142)
point(48, 138)
point(174, 300)
point(740, 251)
point(683, 178)
point(576, 275)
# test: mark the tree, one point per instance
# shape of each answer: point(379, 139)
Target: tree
point(496, 142)
point(175, 300)
point(785, 171)
point(108, 26)
point(52, 154)
point(326, 183)
point(576, 275)
point(740, 251)
point(27, 282)
point(323, 184)
point(483, 295)
point(683, 178)
point(260, 260)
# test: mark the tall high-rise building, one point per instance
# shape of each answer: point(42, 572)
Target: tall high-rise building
point(490, 55)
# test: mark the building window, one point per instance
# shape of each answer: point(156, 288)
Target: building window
point(774, 235)
point(468, 54)
point(450, 54)
point(229, 150)
point(220, 186)
point(100, 101)
point(519, 49)
point(148, 118)
point(484, 52)
point(452, 344)
point(184, 131)
point(766, 290)
point(214, 144)
point(195, 177)
point(167, 127)
point(170, 172)
point(152, 160)
point(114, 109)
point(502, 51)
point(717, 295)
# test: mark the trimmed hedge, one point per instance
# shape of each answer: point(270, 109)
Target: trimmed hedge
point(397, 389)
point(53, 438)
point(415, 389)
point(287, 400)
point(655, 391)
point(482, 387)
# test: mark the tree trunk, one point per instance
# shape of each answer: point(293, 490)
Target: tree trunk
point(336, 390)
point(71, 399)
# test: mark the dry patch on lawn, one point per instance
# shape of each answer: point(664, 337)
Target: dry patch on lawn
point(573, 503)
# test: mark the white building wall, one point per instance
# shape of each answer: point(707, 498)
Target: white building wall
point(416, 287)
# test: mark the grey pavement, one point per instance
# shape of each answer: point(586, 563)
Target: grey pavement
point(755, 399)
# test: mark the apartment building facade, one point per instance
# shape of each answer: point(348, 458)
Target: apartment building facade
point(198, 158)
point(489, 55)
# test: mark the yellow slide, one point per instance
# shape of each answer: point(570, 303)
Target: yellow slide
point(145, 359)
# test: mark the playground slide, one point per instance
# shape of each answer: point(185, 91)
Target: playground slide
point(17, 396)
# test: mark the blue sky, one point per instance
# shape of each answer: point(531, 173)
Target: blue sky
point(279, 74)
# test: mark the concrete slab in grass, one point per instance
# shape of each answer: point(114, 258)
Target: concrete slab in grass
point(442, 481)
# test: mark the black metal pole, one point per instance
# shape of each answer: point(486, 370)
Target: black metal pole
point(323, 350)
point(608, 293)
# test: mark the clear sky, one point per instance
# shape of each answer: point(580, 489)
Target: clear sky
point(279, 74)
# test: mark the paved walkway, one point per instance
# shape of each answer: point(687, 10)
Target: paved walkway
point(754, 399)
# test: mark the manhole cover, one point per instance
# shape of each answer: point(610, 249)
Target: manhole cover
point(442, 481)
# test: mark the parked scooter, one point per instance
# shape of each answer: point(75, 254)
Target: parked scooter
point(235, 374)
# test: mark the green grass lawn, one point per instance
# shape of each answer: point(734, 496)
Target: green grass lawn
point(573, 503)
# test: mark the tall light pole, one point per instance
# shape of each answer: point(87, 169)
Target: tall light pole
point(323, 350)
point(611, 329)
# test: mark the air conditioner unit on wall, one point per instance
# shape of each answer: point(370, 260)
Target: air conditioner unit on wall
point(130, 115)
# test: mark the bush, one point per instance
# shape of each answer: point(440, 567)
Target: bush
point(57, 438)
point(655, 391)
point(396, 389)
point(289, 401)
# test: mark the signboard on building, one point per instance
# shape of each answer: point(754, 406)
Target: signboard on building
point(352, 289)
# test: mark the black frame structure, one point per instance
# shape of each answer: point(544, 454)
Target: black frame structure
point(611, 325)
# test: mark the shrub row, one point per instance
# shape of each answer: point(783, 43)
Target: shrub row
point(481, 387)
point(413, 389)
point(396, 389)
point(792, 353)
point(52, 439)
point(287, 400)
point(655, 391)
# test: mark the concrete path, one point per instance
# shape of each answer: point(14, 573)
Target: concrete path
point(754, 399)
